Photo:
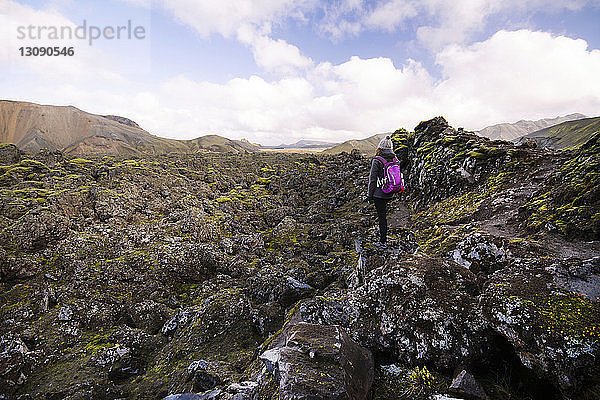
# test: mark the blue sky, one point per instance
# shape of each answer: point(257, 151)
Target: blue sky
point(279, 71)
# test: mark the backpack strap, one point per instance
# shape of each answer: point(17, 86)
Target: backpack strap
point(386, 162)
point(382, 160)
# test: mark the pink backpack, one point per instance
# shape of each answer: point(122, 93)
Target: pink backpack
point(393, 180)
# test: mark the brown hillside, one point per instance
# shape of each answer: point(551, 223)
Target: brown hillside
point(32, 127)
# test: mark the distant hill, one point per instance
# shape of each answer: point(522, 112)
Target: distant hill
point(303, 144)
point(571, 134)
point(365, 146)
point(518, 129)
point(32, 127)
point(219, 144)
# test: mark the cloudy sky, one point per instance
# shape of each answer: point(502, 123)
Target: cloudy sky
point(277, 71)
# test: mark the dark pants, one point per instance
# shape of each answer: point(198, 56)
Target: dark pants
point(380, 206)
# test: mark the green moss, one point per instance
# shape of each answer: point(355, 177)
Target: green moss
point(80, 161)
point(98, 342)
point(267, 170)
point(449, 139)
point(131, 163)
point(451, 209)
point(18, 297)
point(401, 383)
point(476, 154)
point(568, 314)
point(438, 241)
point(570, 201)
point(263, 181)
point(33, 164)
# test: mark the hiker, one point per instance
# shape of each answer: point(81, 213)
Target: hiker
point(385, 180)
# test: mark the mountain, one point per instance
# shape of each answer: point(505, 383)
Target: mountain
point(219, 144)
point(571, 134)
point(365, 146)
point(518, 129)
point(304, 144)
point(32, 127)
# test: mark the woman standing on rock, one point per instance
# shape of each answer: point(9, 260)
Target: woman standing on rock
point(385, 179)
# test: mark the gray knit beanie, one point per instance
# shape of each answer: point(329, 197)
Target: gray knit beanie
point(386, 143)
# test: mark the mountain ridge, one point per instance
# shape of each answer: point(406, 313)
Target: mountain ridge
point(567, 135)
point(513, 131)
point(364, 146)
point(32, 127)
point(304, 144)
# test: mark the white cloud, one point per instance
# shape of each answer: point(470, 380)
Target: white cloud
point(226, 16)
point(391, 14)
point(86, 65)
point(510, 76)
point(250, 21)
point(520, 74)
point(337, 102)
point(342, 18)
point(273, 55)
point(278, 54)
point(447, 21)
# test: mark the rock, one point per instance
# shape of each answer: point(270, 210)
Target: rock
point(65, 313)
point(243, 390)
point(268, 317)
point(421, 309)
point(37, 230)
point(550, 330)
point(10, 154)
point(297, 286)
point(465, 385)
point(443, 162)
point(125, 367)
point(478, 252)
point(320, 361)
point(211, 395)
point(180, 319)
point(528, 143)
point(13, 364)
point(201, 379)
point(444, 397)
point(270, 284)
point(109, 356)
point(220, 253)
point(149, 316)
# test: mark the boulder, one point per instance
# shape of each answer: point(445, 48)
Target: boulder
point(271, 285)
point(13, 364)
point(552, 329)
point(202, 380)
point(422, 310)
point(320, 361)
point(210, 395)
point(10, 154)
point(480, 253)
point(466, 386)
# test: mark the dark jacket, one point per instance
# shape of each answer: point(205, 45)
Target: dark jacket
point(377, 172)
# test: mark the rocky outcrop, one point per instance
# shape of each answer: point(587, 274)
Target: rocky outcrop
point(319, 361)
